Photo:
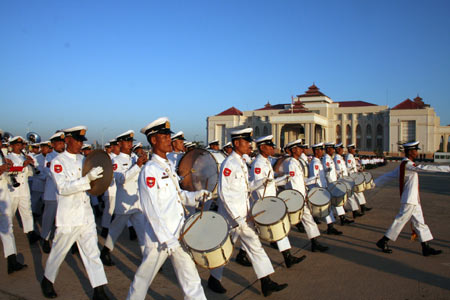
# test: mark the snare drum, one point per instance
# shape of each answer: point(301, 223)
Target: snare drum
point(338, 191)
point(319, 202)
point(359, 182)
point(295, 202)
point(350, 183)
point(271, 219)
point(368, 180)
point(208, 240)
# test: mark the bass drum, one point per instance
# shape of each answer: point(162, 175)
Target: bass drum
point(278, 167)
point(218, 156)
point(198, 171)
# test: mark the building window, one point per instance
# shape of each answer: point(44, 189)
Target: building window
point(339, 117)
point(369, 137)
point(256, 131)
point(349, 116)
point(265, 130)
point(380, 136)
point(338, 134)
point(358, 136)
point(408, 131)
point(348, 133)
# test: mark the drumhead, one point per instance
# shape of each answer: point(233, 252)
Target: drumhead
point(293, 199)
point(348, 180)
point(274, 208)
point(207, 233)
point(367, 177)
point(319, 196)
point(337, 189)
point(358, 178)
point(198, 168)
point(218, 156)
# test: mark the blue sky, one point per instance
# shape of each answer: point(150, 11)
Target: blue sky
point(118, 65)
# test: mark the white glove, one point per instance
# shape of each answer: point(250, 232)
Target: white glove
point(172, 245)
point(95, 173)
point(268, 180)
point(203, 194)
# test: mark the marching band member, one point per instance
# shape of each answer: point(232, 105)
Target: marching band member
point(38, 182)
point(20, 195)
point(262, 174)
point(163, 203)
point(294, 169)
point(75, 220)
point(331, 176)
point(352, 167)
point(128, 207)
point(227, 148)
point(411, 208)
point(316, 170)
point(234, 205)
point(6, 226)
point(214, 145)
point(50, 191)
point(341, 170)
point(109, 196)
point(178, 148)
point(138, 150)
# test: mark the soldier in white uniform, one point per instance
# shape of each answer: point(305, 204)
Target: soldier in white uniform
point(332, 176)
point(50, 192)
point(298, 182)
point(20, 195)
point(75, 220)
point(352, 167)
point(6, 227)
point(38, 182)
point(410, 208)
point(128, 207)
point(316, 169)
point(341, 170)
point(163, 203)
point(234, 205)
point(177, 148)
point(227, 148)
point(214, 145)
point(262, 174)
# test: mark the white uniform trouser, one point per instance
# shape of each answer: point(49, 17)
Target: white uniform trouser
point(6, 234)
point(137, 219)
point(24, 205)
point(110, 203)
point(309, 224)
point(152, 261)
point(48, 218)
point(330, 218)
point(340, 211)
point(284, 244)
point(407, 212)
point(351, 203)
point(36, 202)
point(360, 197)
point(86, 238)
point(255, 252)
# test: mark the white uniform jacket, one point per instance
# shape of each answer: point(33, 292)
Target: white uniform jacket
point(38, 183)
point(112, 189)
point(316, 170)
point(259, 172)
point(175, 157)
point(352, 166)
point(330, 168)
point(341, 166)
point(126, 175)
point(5, 200)
point(22, 177)
point(161, 202)
point(50, 191)
point(294, 170)
point(304, 164)
point(74, 208)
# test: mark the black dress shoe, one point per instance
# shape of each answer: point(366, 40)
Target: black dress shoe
point(268, 286)
point(99, 293)
point(46, 246)
point(33, 237)
point(291, 260)
point(242, 259)
point(357, 214)
point(316, 246)
point(215, 285)
point(364, 208)
point(106, 257)
point(133, 235)
point(427, 250)
point(274, 245)
point(344, 220)
point(47, 288)
point(104, 233)
point(332, 230)
point(317, 220)
point(383, 245)
point(300, 227)
point(13, 264)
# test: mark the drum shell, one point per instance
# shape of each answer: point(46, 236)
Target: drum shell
point(339, 201)
point(213, 258)
point(274, 232)
point(296, 216)
point(319, 211)
point(359, 187)
point(368, 184)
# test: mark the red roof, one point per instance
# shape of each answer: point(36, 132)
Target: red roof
point(232, 111)
point(354, 103)
point(409, 104)
point(313, 91)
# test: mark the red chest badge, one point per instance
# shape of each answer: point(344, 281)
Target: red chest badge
point(317, 167)
point(257, 170)
point(114, 167)
point(349, 161)
point(227, 172)
point(292, 173)
point(328, 164)
point(150, 181)
point(58, 168)
point(338, 161)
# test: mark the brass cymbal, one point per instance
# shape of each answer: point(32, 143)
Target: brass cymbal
point(95, 159)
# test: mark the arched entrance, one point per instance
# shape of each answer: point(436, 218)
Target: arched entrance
point(291, 132)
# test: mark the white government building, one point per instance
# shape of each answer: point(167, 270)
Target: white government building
point(315, 117)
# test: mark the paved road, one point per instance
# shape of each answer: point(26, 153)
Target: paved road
point(353, 268)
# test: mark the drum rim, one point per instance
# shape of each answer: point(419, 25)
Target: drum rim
point(359, 174)
point(335, 183)
point(365, 178)
point(304, 200)
point(228, 235)
point(261, 224)
point(321, 188)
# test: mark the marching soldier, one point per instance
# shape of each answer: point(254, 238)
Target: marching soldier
point(352, 167)
point(20, 196)
point(109, 197)
point(50, 191)
point(128, 207)
point(178, 148)
point(75, 220)
point(214, 145)
point(227, 148)
point(411, 208)
point(38, 182)
point(234, 205)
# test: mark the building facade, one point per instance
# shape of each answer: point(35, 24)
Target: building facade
point(315, 117)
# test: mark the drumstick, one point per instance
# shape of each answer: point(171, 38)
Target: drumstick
point(251, 218)
point(203, 201)
point(265, 185)
point(286, 200)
